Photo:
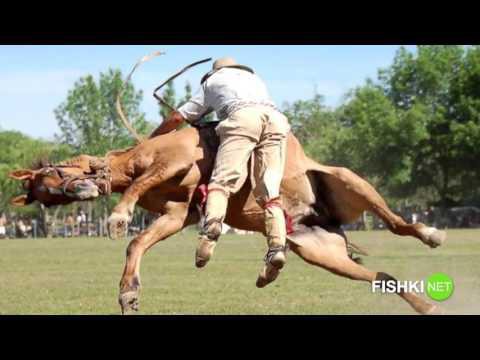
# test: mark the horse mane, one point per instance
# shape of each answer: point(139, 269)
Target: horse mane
point(118, 152)
point(43, 162)
point(39, 163)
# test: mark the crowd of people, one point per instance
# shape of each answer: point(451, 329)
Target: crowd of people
point(75, 225)
point(72, 224)
point(79, 224)
point(19, 226)
point(16, 227)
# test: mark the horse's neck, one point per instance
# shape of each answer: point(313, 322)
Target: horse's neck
point(118, 164)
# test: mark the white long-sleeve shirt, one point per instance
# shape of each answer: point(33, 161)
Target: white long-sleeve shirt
point(226, 91)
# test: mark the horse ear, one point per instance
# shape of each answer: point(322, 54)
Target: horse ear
point(20, 200)
point(23, 174)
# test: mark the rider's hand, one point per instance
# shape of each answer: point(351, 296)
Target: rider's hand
point(172, 122)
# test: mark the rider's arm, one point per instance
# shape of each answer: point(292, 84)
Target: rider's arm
point(192, 111)
point(173, 121)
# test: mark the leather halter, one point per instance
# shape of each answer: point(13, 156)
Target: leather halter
point(101, 177)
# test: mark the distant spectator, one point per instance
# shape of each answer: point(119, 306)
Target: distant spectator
point(414, 218)
point(3, 226)
point(28, 225)
point(69, 225)
point(83, 216)
point(78, 223)
point(79, 219)
point(21, 228)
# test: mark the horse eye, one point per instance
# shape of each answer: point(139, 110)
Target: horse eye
point(48, 172)
point(26, 185)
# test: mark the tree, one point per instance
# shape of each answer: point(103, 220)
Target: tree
point(315, 126)
point(379, 141)
point(188, 92)
point(20, 151)
point(170, 98)
point(416, 130)
point(444, 82)
point(88, 119)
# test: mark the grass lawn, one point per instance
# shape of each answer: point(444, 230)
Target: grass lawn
point(81, 276)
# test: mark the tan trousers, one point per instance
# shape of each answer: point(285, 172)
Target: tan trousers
point(261, 131)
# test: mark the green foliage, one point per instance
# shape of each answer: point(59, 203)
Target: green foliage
point(378, 140)
point(20, 151)
point(315, 126)
point(414, 132)
point(88, 119)
point(439, 87)
point(188, 92)
point(169, 96)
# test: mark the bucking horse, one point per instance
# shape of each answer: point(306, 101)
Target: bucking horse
point(167, 175)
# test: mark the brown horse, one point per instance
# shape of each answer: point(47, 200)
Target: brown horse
point(163, 174)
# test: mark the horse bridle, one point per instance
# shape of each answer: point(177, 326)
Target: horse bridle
point(102, 178)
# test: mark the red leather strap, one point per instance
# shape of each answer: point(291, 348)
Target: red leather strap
point(288, 223)
point(288, 219)
point(273, 202)
point(203, 190)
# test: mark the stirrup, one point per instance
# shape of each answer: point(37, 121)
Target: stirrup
point(271, 253)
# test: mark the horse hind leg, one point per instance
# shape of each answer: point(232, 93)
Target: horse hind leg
point(365, 195)
point(428, 235)
point(327, 249)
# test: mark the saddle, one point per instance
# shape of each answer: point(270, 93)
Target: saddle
point(208, 135)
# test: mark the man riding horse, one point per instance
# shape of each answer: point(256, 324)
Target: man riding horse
point(249, 124)
point(162, 174)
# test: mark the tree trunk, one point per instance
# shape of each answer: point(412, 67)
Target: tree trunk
point(47, 221)
point(89, 216)
point(105, 216)
point(44, 219)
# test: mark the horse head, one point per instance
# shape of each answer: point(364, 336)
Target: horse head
point(62, 184)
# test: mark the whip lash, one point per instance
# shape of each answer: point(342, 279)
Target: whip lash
point(118, 105)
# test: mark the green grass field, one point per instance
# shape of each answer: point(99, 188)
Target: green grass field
point(81, 275)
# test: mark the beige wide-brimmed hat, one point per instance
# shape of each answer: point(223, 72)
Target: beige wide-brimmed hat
point(225, 62)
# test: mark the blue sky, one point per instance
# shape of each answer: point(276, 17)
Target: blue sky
point(34, 80)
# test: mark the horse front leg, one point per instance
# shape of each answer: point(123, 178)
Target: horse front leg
point(175, 219)
point(122, 213)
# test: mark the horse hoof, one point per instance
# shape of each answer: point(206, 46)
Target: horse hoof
point(438, 237)
point(435, 310)
point(117, 226)
point(200, 263)
point(204, 251)
point(268, 275)
point(129, 302)
point(434, 237)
